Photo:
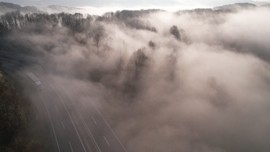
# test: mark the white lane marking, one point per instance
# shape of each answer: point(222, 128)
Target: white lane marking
point(71, 148)
point(106, 140)
point(68, 106)
point(89, 131)
point(94, 120)
point(114, 134)
point(88, 146)
point(69, 115)
point(63, 125)
point(75, 128)
point(56, 139)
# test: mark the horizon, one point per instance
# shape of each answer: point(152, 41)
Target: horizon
point(129, 4)
point(100, 10)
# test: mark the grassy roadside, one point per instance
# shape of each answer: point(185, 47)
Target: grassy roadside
point(15, 118)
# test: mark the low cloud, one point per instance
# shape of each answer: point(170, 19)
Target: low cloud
point(199, 82)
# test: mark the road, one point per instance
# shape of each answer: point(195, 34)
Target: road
point(73, 126)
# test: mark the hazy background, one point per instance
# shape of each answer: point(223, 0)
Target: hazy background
point(194, 81)
point(132, 3)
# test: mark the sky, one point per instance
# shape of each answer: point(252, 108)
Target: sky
point(130, 3)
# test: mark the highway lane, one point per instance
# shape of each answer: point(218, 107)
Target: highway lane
point(66, 131)
point(10, 64)
point(72, 129)
point(91, 127)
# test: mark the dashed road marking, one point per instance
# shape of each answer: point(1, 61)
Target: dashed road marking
point(106, 140)
point(51, 122)
point(94, 120)
point(63, 125)
point(71, 148)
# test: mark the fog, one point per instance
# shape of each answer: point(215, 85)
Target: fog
point(186, 81)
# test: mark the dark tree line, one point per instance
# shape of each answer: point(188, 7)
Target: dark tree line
point(14, 116)
point(75, 22)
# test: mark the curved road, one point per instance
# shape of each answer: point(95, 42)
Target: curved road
point(71, 129)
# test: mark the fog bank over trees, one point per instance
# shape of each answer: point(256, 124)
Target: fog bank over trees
point(195, 80)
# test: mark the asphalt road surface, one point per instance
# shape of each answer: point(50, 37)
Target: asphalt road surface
point(70, 129)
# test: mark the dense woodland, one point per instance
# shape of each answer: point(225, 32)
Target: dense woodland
point(162, 60)
point(15, 116)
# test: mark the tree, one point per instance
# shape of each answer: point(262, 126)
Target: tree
point(151, 44)
point(175, 32)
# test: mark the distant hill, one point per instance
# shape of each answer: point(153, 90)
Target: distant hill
point(235, 7)
point(266, 5)
point(124, 14)
point(59, 9)
point(6, 7)
point(221, 9)
point(10, 7)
